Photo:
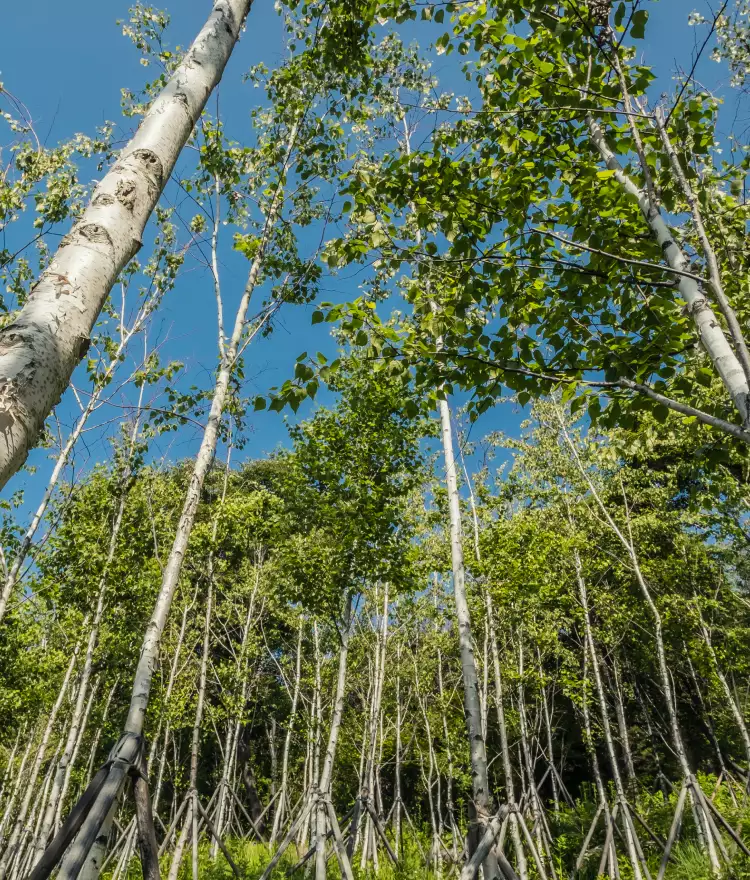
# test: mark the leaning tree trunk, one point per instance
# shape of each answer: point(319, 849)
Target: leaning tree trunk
point(710, 332)
point(41, 348)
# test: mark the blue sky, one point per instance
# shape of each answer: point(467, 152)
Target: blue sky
point(68, 61)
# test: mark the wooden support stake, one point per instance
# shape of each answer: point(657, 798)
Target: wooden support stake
point(381, 831)
point(173, 825)
point(673, 831)
point(609, 839)
point(341, 853)
point(586, 842)
point(212, 829)
point(727, 827)
point(284, 845)
point(147, 845)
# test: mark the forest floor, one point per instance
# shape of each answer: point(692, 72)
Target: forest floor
point(688, 862)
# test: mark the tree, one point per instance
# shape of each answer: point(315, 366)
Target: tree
point(50, 335)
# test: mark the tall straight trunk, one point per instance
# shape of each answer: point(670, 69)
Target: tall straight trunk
point(431, 772)
point(710, 332)
point(98, 735)
point(484, 691)
point(189, 829)
point(167, 695)
point(373, 724)
point(230, 756)
point(510, 792)
point(449, 757)
point(324, 784)
point(41, 348)
point(480, 783)
point(623, 727)
point(537, 808)
point(284, 784)
point(482, 801)
point(31, 788)
point(397, 766)
point(324, 781)
point(521, 863)
point(195, 746)
point(38, 812)
point(16, 785)
point(76, 750)
point(550, 746)
point(591, 749)
point(604, 713)
point(8, 774)
point(317, 706)
point(271, 734)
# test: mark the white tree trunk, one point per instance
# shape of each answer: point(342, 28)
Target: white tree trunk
point(478, 754)
point(41, 348)
point(709, 330)
point(324, 782)
point(604, 714)
point(74, 756)
point(281, 807)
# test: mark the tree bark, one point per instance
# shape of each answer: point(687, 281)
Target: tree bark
point(478, 754)
point(281, 807)
point(708, 328)
point(41, 348)
point(324, 782)
point(510, 792)
point(195, 746)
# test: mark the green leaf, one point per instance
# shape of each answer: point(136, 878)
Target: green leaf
point(638, 28)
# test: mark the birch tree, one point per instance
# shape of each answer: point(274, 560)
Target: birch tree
point(44, 344)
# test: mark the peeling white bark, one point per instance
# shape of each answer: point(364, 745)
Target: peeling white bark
point(41, 348)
